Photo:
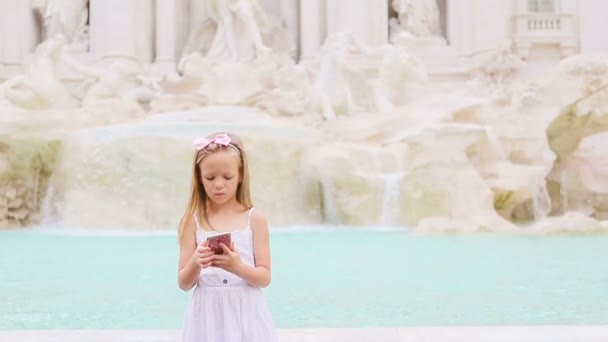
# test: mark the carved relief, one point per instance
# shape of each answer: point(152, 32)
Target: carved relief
point(420, 18)
point(68, 18)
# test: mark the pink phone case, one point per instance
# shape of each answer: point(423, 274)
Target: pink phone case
point(214, 242)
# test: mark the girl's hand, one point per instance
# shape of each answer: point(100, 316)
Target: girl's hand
point(202, 256)
point(230, 260)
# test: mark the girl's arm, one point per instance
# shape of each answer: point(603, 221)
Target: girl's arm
point(189, 269)
point(258, 276)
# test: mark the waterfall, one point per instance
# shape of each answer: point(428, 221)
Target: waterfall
point(48, 212)
point(541, 202)
point(496, 144)
point(390, 203)
point(563, 190)
point(328, 205)
point(391, 208)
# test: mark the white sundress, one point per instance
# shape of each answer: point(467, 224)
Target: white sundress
point(224, 308)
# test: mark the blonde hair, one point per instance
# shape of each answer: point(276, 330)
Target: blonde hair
point(197, 204)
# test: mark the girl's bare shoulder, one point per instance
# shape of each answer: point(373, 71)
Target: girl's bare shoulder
point(259, 220)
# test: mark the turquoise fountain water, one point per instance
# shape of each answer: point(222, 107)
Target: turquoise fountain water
point(334, 278)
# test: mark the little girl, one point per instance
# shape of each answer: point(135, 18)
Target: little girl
point(227, 304)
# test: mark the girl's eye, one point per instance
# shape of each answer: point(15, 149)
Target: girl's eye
point(229, 177)
point(209, 178)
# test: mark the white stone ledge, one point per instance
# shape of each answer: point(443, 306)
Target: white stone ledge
point(584, 333)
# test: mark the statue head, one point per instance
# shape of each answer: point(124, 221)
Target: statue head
point(402, 39)
point(51, 48)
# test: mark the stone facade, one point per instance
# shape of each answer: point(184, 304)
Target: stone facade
point(156, 31)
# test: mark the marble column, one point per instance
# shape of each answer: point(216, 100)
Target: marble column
point(366, 19)
point(312, 26)
point(494, 28)
point(16, 36)
point(459, 28)
point(592, 29)
point(166, 27)
point(121, 30)
point(198, 13)
point(290, 19)
point(522, 6)
point(144, 29)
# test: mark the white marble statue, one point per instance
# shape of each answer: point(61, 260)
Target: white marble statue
point(418, 17)
point(41, 86)
point(236, 31)
point(400, 73)
point(64, 17)
point(331, 90)
point(109, 90)
point(113, 90)
point(288, 93)
point(338, 86)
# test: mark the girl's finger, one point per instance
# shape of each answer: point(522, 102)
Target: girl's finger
point(208, 259)
point(225, 248)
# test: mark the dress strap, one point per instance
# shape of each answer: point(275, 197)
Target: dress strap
point(249, 218)
point(199, 231)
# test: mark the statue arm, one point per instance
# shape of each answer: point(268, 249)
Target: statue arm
point(80, 67)
point(367, 50)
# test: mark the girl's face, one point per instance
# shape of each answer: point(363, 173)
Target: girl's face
point(220, 175)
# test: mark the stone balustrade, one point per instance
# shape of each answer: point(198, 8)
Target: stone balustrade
point(544, 28)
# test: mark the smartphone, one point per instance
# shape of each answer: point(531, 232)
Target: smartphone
point(215, 240)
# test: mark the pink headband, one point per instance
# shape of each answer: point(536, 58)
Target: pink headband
point(221, 139)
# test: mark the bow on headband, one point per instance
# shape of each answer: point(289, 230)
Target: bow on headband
point(220, 139)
